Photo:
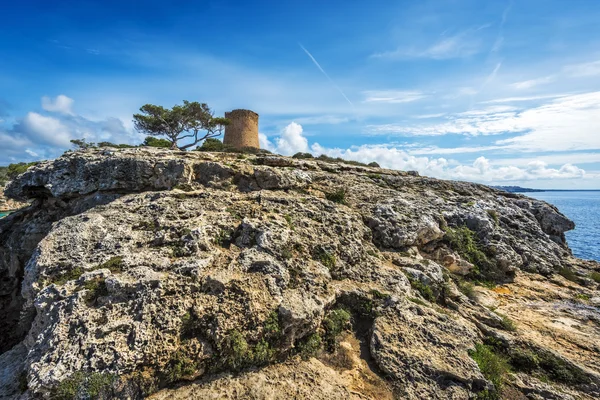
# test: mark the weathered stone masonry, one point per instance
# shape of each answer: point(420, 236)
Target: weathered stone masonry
point(242, 130)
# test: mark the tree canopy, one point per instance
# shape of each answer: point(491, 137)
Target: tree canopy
point(192, 120)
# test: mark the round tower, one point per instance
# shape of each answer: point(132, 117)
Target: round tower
point(242, 130)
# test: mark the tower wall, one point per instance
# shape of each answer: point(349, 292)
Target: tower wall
point(242, 130)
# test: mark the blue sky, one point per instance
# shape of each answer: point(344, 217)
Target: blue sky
point(498, 92)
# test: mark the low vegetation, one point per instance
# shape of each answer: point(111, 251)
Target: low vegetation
point(338, 196)
point(493, 366)
point(95, 288)
point(325, 257)
point(465, 242)
point(424, 290)
point(568, 274)
point(84, 385)
point(13, 170)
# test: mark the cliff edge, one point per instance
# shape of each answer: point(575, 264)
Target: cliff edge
point(142, 273)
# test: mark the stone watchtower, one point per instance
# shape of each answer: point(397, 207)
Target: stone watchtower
point(242, 130)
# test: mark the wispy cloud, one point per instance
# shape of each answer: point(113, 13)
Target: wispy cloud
point(462, 44)
point(524, 98)
point(583, 70)
point(533, 82)
point(392, 96)
point(326, 75)
point(500, 38)
point(568, 123)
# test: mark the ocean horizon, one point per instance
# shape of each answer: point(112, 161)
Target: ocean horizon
point(583, 208)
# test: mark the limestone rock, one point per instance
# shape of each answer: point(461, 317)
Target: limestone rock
point(141, 272)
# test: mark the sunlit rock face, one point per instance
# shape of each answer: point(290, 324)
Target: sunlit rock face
point(145, 272)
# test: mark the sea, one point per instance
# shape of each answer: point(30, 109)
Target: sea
point(3, 214)
point(583, 208)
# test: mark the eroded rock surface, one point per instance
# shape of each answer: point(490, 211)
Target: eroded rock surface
point(145, 272)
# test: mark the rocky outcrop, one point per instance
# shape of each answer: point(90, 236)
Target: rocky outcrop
point(145, 272)
point(9, 204)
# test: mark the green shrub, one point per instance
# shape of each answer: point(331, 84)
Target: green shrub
point(374, 165)
point(223, 238)
point(83, 385)
point(595, 276)
point(212, 144)
point(151, 141)
point(422, 288)
point(235, 351)
point(493, 366)
point(70, 275)
point(179, 367)
point(263, 353)
point(465, 242)
point(309, 346)
point(334, 324)
point(494, 215)
point(507, 324)
point(339, 196)
point(467, 288)
point(302, 155)
point(271, 326)
point(524, 360)
point(95, 288)
point(560, 371)
point(116, 146)
point(115, 265)
point(582, 296)
point(326, 258)
point(418, 301)
point(568, 274)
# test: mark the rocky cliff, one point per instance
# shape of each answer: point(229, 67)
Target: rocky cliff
point(174, 275)
point(9, 204)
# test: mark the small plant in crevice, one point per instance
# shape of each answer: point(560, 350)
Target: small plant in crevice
point(310, 346)
point(568, 274)
point(507, 324)
point(334, 324)
point(465, 242)
point(338, 196)
point(494, 215)
point(289, 221)
point(493, 366)
point(179, 366)
point(70, 275)
point(325, 257)
point(84, 385)
point(595, 276)
point(223, 238)
point(423, 289)
point(114, 264)
point(95, 288)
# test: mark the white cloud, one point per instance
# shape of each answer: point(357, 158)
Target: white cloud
point(61, 104)
point(583, 70)
point(392, 96)
point(564, 124)
point(290, 141)
point(31, 153)
point(533, 82)
point(49, 130)
point(481, 170)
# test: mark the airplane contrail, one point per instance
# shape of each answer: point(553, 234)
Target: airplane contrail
point(327, 76)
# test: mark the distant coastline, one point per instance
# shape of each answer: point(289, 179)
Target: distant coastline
point(519, 189)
